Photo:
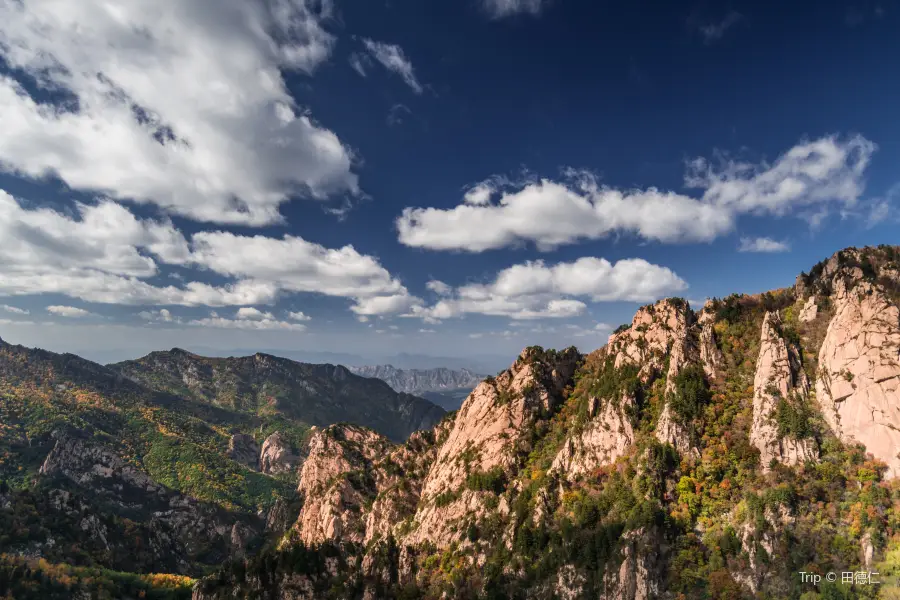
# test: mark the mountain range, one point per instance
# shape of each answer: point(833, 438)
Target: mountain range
point(704, 453)
point(445, 387)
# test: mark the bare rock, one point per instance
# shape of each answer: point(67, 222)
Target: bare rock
point(608, 436)
point(486, 435)
point(276, 455)
point(779, 376)
point(710, 355)
point(336, 483)
point(636, 577)
point(858, 387)
point(810, 310)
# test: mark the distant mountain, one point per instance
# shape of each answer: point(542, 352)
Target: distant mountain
point(416, 381)
point(445, 387)
point(263, 384)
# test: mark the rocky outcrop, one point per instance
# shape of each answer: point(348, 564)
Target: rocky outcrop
point(710, 354)
point(243, 448)
point(608, 435)
point(810, 310)
point(779, 378)
point(488, 434)
point(337, 482)
point(277, 456)
point(637, 577)
point(858, 387)
point(660, 342)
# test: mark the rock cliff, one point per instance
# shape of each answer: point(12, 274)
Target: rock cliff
point(858, 386)
point(779, 387)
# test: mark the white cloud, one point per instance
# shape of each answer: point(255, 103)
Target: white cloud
point(360, 62)
point(427, 331)
point(299, 316)
point(438, 287)
point(14, 309)
point(393, 59)
point(159, 316)
point(292, 264)
point(534, 290)
point(105, 254)
point(253, 314)
point(505, 8)
point(177, 103)
point(762, 244)
point(69, 312)
point(248, 319)
point(549, 214)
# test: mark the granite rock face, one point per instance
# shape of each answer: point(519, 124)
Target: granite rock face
point(276, 456)
point(487, 434)
point(779, 378)
point(858, 387)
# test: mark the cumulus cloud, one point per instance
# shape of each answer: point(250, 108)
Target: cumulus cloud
point(438, 287)
point(104, 254)
point(162, 315)
point(298, 316)
point(14, 309)
point(494, 214)
point(292, 264)
point(534, 290)
point(175, 103)
point(248, 319)
point(70, 312)
point(392, 58)
point(762, 244)
point(506, 8)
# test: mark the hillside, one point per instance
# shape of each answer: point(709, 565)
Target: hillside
point(109, 475)
point(699, 454)
point(270, 386)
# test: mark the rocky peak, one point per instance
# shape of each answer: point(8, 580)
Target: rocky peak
point(488, 435)
point(780, 386)
point(655, 330)
point(876, 265)
point(710, 354)
point(336, 483)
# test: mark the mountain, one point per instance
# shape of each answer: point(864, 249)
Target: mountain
point(717, 453)
point(268, 385)
point(444, 387)
point(170, 464)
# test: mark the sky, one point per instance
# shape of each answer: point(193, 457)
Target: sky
point(452, 178)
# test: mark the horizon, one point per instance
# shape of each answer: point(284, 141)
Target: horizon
point(479, 363)
point(367, 185)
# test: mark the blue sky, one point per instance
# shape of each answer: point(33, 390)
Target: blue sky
point(451, 178)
